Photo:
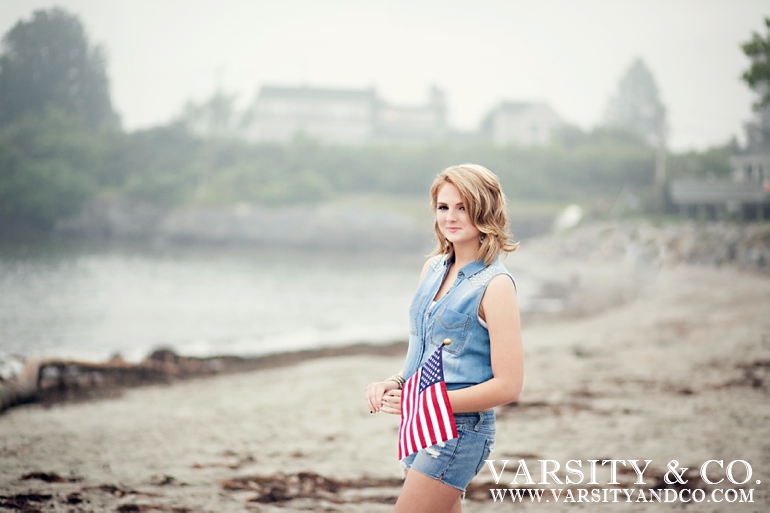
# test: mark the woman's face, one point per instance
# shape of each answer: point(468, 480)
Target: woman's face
point(452, 217)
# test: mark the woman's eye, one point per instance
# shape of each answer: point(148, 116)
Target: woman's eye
point(443, 207)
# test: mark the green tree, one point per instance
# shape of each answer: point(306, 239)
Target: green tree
point(47, 63)
point(758, 74)
point(160, 165)
point(49, 167)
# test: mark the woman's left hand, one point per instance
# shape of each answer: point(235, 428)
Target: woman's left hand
point(391, 402)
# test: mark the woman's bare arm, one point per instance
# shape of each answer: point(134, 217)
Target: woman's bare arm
point(501, 311)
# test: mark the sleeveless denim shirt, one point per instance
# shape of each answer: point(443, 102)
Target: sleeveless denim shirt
point(467, 359)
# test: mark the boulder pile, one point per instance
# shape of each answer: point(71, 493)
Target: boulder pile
point(746, 246)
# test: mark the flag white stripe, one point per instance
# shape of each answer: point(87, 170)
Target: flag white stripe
point(432, 411)
point(423, 419)
point(445, 418)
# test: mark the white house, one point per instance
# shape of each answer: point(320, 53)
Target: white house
point(346, 116)
point(746, 195)
point(331, 115)
point(523, 123)
point(413, 123)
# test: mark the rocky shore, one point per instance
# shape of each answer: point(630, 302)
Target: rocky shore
point(643, 243)
point(337, 226)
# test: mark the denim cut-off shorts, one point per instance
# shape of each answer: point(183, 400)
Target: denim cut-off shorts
point(456, 461)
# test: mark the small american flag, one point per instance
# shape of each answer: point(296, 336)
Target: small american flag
point(426, 415)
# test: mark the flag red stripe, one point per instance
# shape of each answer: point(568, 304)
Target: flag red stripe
point(419, 440)
point(406, 409)
point(406, 412)
point(415, 410)
point(411, 442)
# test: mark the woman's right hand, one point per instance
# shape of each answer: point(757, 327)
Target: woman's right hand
point(375, 392)
point(391, 402)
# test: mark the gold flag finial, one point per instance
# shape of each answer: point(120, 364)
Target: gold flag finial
point(447, 341)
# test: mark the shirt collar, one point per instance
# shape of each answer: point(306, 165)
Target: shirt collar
point(472, 268)
point(468, 269)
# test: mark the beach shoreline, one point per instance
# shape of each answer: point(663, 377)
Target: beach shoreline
point(676, 369)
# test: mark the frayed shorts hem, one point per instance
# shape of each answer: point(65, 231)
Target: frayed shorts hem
point(457, 461)
point(438, 479)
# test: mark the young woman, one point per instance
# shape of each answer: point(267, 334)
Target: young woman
point(467, 295)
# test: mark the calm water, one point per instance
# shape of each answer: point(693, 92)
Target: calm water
point(90, 302)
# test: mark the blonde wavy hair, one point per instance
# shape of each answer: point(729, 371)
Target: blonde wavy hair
point(486, 206)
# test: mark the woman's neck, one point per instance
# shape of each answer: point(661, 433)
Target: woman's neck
point(465, 254)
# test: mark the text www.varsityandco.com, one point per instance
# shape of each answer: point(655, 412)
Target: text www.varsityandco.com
point(576, 472)
point(619, 495)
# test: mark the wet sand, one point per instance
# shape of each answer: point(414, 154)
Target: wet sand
point(673, 365)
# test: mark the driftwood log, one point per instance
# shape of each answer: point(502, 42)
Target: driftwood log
point(51, 381)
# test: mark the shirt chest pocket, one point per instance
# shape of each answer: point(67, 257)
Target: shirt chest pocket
point(452, 325)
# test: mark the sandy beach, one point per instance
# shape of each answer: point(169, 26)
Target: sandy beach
point(661, 366)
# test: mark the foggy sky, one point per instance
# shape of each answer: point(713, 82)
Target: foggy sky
point(570, 53)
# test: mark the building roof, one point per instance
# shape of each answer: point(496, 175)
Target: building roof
point(317, 93)
point(695, 192)
point(514, 107)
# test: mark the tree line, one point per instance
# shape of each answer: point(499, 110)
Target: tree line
point(62, 146)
